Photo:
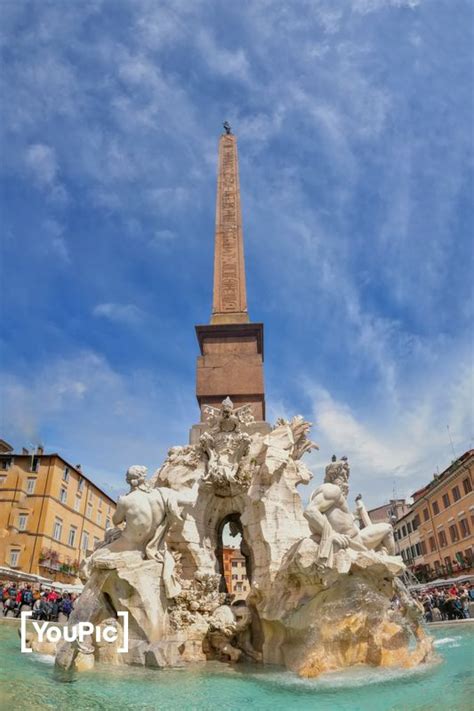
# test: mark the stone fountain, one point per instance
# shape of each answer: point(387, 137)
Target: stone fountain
point(323, 579)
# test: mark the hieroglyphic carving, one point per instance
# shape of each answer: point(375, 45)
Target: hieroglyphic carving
point(229, 289)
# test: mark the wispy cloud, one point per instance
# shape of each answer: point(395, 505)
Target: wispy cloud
point(120, 313)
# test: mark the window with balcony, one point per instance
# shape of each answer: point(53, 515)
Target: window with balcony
point(446, 501)
point(14, 558)
point(66, 474)
point(63, 495)
point(71, 541)
point(453, 533)
point(57, 529)
point(467, 486)
point(22, 522)
point(30, 484)
point(456, 493)
point(443, 541)
point(435, 506)
point(464, 526)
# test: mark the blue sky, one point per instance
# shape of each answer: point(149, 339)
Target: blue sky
point(354, 121)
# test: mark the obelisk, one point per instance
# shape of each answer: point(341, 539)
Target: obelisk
point(231, 360)
point(230, 296)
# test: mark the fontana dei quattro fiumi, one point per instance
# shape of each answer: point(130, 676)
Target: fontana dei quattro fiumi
point(322, 577)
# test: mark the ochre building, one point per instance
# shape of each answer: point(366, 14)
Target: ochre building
point(445, 508)
point(51, 514)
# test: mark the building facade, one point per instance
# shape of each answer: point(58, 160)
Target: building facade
point(235, 573)
point(408, 542)
point(389, 512)
point(51, 514)
point(445, 511)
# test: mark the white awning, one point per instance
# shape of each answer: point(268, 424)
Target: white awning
point(19, 575)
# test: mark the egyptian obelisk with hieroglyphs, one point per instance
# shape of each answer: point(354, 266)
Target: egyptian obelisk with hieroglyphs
point(231, 360)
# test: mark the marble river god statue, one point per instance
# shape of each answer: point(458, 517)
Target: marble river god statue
point(322, 578)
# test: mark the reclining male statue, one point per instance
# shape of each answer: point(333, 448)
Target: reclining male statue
point(330, 518)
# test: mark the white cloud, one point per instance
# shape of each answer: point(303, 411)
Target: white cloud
point(42, 162)
point(128, 314)
point(402, 444)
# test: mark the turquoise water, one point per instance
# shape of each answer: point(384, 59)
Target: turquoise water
point(28, 682)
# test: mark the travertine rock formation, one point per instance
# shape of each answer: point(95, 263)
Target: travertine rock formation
point(322, 578)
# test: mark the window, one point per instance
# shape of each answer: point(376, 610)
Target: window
point(464, 526)
point(72, 536)
point(96, 542)
point(2, 480)
point(467, 486)
point(447, 562)
point(446, 500)
point(30, 485)
point(58, 529)
point(436, 564)
point(91, 496)
point(85, 541)
point(432, 544)
point(35, 463)
point(416, 522)
point(66, 474)
point(99, 518)
point(235, 577)
point(404, 531)
point(468, 555)
point(409, 527)
point(453, 532)
point(5, 463)
point(89, 510)
point(80, 486)
point(234, 564)
point(14, 558)
point(22, 521)
point(443, 541)
point(456, 493)
point(412, 551)
point(100, 504)
point(435, 508)
point(77, 503)
point(63, 495)
point(426, 514)
point(107, 523)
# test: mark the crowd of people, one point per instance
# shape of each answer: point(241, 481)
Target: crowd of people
point(45, 604)
point(447, 603)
